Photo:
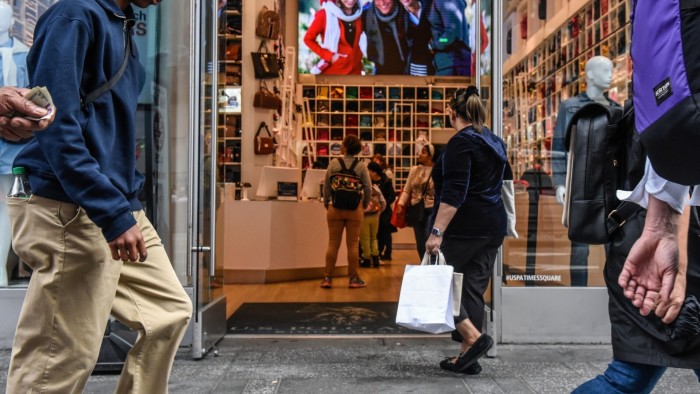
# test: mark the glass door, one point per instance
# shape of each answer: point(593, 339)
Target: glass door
point(210, 303)
point(550, 289)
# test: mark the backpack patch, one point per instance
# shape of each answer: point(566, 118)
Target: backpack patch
point(666, 80)
point(346, 187)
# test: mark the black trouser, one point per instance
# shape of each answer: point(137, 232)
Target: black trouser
point(421, 232)
point(384, 240)
point(473, 257)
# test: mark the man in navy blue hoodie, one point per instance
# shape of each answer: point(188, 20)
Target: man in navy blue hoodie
point(84, 231)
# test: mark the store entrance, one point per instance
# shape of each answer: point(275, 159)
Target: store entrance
point(302, 307)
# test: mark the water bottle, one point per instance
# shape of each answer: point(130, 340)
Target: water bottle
point(20, 188)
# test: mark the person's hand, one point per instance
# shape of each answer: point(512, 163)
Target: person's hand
point(432, 245)
point(129, 246)
point(337, 56)
point(649, 273)
point(15, 128)
point(399, 209)
point(560, 194)
point(668, 311)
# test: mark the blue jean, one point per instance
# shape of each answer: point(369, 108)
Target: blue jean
point(625, 377)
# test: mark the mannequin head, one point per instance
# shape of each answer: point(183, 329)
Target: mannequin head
point(6, 19)
point(598, 76)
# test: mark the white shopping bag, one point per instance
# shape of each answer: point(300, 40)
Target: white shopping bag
point(425, 302)
point(457, 278)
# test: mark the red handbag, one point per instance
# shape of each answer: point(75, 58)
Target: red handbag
point(398, 221)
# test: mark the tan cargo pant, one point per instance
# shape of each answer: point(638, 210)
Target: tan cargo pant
point(74, 287)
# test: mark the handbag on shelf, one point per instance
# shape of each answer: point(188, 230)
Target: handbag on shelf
point(265, 63)
point(264, 98)
point(268, 25)
point(233, 51)
point(415, 214)
point(427, 298)
point(264, 145)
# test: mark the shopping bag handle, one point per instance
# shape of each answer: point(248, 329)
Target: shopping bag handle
point(440, 259)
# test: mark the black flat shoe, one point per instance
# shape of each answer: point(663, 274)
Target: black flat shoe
point(448, 365)
point(473, 369)
point(476, 351)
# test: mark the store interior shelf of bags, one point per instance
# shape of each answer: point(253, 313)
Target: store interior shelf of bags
point(229, 98)
point(538, 77)
point(392, 120)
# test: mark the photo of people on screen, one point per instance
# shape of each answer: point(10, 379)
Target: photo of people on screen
point(387, 37)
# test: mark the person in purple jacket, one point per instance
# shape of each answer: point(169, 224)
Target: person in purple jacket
point(83, 231)
point(469, 218)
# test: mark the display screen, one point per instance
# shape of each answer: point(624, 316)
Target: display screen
point(386, 37)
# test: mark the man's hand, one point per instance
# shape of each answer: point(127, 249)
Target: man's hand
point(560, 194)
point(668, 311)
point(15, 128)
point(649, 272)
point(129, 246)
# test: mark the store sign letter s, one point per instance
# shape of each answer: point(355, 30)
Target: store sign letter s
point(141, 28)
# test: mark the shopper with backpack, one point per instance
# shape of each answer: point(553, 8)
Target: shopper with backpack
point(347, 191)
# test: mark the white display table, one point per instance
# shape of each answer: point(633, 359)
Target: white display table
point(273, 241)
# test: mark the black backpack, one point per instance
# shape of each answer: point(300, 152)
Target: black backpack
point(605, 154)
point(346, 187)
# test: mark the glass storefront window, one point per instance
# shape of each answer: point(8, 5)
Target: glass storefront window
point(539, 75)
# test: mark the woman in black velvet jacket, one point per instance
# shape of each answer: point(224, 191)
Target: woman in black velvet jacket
point(469, 218)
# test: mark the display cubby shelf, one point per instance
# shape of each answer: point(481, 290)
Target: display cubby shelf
point(555, 70)
point(392, 120)
point(229, 143)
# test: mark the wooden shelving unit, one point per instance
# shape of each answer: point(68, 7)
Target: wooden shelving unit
point(229, 102)
point(395, 121)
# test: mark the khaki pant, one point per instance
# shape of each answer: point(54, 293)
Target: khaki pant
point(339, 220)
point(368, 236)
point(74, 287)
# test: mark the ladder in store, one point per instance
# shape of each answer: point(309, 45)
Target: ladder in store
point(286, 153)
point(397, 153)
point(307, 129)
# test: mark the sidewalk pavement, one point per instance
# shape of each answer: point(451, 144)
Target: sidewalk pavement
point(381, 365)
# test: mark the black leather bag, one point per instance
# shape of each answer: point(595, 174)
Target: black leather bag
point(602, 157)
point(415, 214)
point(264, 145)
point(265, 64)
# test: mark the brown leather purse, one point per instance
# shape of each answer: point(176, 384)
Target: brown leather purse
point(268, 25)
point(264, 98)
point(264, 145)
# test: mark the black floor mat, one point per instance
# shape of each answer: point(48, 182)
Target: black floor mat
point(332, 318)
